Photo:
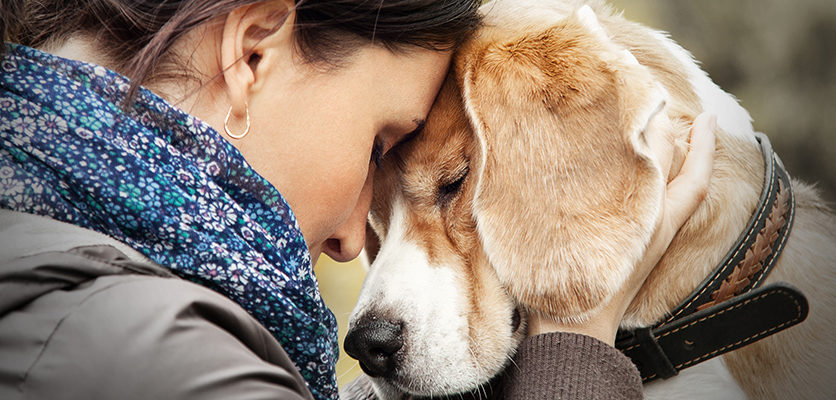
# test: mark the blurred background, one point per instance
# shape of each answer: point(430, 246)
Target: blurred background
point(778, 57)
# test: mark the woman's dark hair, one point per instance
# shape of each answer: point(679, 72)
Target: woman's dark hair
point(137, 34)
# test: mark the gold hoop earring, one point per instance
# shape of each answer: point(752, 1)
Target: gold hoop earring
point(226, 124)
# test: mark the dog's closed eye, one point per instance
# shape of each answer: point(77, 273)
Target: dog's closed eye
point(448, 191)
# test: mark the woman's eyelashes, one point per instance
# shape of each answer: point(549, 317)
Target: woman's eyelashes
point(377, 152)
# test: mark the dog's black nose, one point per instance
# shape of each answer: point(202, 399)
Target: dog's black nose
point(375, 344)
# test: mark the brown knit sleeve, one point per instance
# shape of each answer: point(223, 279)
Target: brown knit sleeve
point(570, 366)
point(564, 366)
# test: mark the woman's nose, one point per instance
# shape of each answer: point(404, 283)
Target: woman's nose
point(348, 241)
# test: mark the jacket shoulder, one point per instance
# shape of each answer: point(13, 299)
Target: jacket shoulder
point(140, 336)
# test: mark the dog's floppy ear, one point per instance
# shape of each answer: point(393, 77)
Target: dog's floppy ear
point(567, 194)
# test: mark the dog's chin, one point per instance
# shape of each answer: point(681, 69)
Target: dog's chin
point(421, 386)
point(459, 377)
point(429, 370)
point(386, 389)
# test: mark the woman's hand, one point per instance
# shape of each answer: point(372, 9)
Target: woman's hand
point(684, 193)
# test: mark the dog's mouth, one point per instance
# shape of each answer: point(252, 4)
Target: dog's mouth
point(387, 351)
point(485, 391)
point(417, 331)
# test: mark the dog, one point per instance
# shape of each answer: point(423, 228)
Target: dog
point(532, 184)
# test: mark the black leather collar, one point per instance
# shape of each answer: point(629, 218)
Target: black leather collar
point(729, 309)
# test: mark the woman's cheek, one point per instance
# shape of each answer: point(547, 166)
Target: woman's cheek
point(338, 197)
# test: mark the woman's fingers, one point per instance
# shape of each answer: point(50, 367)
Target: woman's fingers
point(687, 190)
point(682, 196)
point(684, 193)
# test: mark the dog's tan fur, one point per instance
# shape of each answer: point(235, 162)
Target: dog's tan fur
point(558, 82)
point(447, 234)
point(563, 194)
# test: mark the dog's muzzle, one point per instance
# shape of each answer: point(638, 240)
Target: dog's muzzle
point(375, 343)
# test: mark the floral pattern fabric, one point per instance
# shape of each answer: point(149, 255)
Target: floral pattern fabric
point(166, 184)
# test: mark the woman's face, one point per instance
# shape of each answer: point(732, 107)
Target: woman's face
point(315, 135)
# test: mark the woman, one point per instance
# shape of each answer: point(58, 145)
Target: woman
point(249, 150)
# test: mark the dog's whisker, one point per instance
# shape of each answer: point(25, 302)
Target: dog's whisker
point(510, 360)
point(481, 388)
point(353, 366)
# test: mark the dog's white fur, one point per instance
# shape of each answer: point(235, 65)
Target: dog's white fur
point(404, 280)
point(708, 380)
point(453, 283)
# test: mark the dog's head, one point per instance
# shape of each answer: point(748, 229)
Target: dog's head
point(531, 189)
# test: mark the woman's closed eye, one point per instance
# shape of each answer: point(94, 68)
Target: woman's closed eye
point(379, 150)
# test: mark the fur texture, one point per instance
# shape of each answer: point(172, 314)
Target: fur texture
point(533, 188)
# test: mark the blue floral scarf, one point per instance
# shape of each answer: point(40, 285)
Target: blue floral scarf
point(166, 184)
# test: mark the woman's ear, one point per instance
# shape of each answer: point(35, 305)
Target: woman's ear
point(251, 35)
point(566, 201)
